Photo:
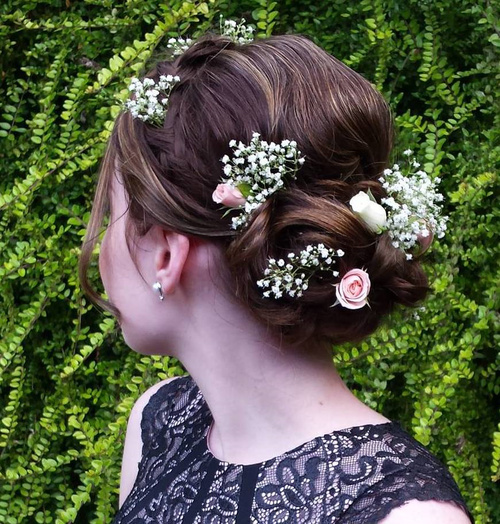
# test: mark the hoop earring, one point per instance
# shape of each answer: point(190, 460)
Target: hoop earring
point(157, 287)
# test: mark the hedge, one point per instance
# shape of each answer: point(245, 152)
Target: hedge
point(67, 380)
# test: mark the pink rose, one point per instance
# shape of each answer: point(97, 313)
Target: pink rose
point(353, 289)
point(228, 195)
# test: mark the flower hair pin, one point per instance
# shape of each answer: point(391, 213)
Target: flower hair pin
point(146, 106)
point(179, 45)
point(412, 212)
point(254, 173)
point(239, 33)
point(292, 276)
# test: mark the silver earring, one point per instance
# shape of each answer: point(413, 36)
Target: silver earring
point(157, 287)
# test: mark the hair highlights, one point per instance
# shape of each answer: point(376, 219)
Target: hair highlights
point(284, 87)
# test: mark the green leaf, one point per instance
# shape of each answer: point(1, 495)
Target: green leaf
point(370, 194)
point(245, 189)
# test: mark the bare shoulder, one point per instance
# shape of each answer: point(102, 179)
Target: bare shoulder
point(132, 451)
point(429, 511)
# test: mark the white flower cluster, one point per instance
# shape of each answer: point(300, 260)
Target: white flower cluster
point(292, 276)
point(412, 209)
point(179, 45)
point(147, 105)
point(239, 33)
point(258, 171)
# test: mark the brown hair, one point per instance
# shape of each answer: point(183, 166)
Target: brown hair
point(282, 87)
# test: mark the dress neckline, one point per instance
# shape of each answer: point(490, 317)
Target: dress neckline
point(331, 435)
point(391, 424)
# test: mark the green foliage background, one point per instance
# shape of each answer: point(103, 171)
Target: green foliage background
point(67, 381)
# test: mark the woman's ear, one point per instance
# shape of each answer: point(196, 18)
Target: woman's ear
point(170, 259)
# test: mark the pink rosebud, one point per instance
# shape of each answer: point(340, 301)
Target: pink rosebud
point(353, 289)
point(228, 195)
point(425, 242)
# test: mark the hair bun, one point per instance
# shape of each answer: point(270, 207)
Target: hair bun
point(296, 219)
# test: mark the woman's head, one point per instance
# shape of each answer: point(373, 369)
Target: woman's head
point(283, 87)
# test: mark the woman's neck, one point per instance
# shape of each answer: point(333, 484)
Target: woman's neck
point(265, 399)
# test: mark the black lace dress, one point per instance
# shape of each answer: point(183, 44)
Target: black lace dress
point(356, 475)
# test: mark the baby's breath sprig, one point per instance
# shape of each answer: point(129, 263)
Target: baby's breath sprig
point(292, 276)
point(258, 170)
point(179, 45)
point(147, 106)
point(239, 33)
point(412, 209)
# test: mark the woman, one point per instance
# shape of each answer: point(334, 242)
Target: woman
point(239, 179)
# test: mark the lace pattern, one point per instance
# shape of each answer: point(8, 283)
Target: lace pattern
point(353, 476)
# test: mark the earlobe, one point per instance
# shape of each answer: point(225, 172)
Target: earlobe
point(170, 259)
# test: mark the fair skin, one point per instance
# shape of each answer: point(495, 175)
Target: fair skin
point(265, 397)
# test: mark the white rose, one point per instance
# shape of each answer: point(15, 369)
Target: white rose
point(371, 212)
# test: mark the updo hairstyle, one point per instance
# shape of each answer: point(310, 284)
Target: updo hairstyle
point(283, 87)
